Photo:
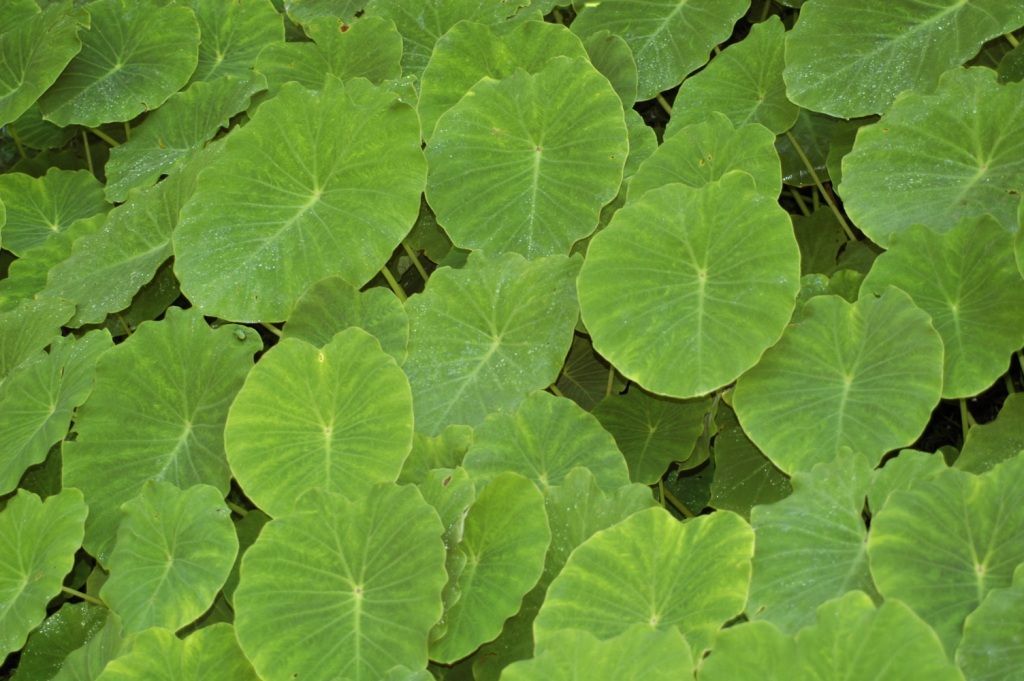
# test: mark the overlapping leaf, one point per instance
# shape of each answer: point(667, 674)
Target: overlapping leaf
point(28, 328)
point(992, 644)
point(668, 585)
point(210, 654)
point(177, 378)
point(289, 202)
point(38, 207)
point(135, 55)
point(668, 281)
point(344, 423)
point(935, 159)
point(544, 439)
point(529, 144)
point(483, 337)
point(991, 443)
point(863, 375)
point(343, 588)
point(851, 60)
point(232, 34)
point(669, 39)
point(63, 632)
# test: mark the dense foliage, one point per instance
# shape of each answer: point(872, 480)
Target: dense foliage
point(510, 339)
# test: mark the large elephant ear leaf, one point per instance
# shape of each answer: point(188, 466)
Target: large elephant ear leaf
point(346, 425)
point(849, 59)
point(991, 647)
point(831, 373)
point(177, 377)
point(971, 126)
point(210, 654)
point(961, 535)
point(135, 55)
point(668, 586)
point(967, 281)
point(669, 39)
point(40, 539)
point(484, 336)
point(232, 34)
point(287, 205)
point(343, 588)
point(508, 163)
point(174, 550)
point(676, 272)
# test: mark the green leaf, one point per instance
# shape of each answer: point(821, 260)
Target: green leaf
point(1011, 67)
point(232, 34)
point(864, 376)
point(668, 281)
point(821, 238)
point(39, 541)
point(669, 39)
point(135, 55)
point(87, 663)
point(177, 378)
point(744, 477)
point(62, 633)
point(635, 655)
point(37, 401)
point(668, 584)
point(503, 546)
point(38, 208)
point(611, 56)
point(944, 544)
point(652, 431)
point(900, 473)
point(344, 425)
point(431, 452)
point(991, 443)
point(423, 23)
point(471, 51)
point(344, 588)
point(992, 645)
point(482, 337)
point(967, 280)
point(811, 545)
point(107, 269)
point(850, 640)
point(744, 82)
point(247, 529)
point(585, 376)
point(287, 205)
point(174, 550)
point(303, 11)
point(851, 60)
point(35, 49)
point(368, 48)
point(704, 152)
point(210, 654)
point(544, 439)
point(27, 329)
point(935, 159)
point(528, 143)
point(333, 305)
point(173, 133)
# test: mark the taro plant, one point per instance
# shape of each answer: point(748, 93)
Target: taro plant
point(511, 339)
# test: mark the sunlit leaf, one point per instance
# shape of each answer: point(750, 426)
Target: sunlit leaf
point(343, 588)
point(28, 328)
point(935, 159)
point(38, 207)
point(528, 143)
point(177, 378)
point(135, 55)
point(993, 642)
point(991, 443)
point(483, 337)
point(865, 375)
point(345, 425)
point(232, 34)
point(210, 654)
point(287, 204)
point(853, 59)
point(669, 39)
point(902, 472)
point(667, 283)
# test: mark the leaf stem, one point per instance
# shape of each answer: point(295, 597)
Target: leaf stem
point(84, 596)
point(17, 145)
point(127, 131)
point(1010, 387)
point(1010, 38)
point(611, 382)
point(88, 153)
point(415, 260)
point(678, 505)
point(966, 420)
point(393, 283)
point(664, 103)
point(235, 508)
point(559, 19)
point(272, 329)
point(555, 391)
point(821, 187)
point(800, 201)
point(661, 492)
point(765, 10)
point(104, 136)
